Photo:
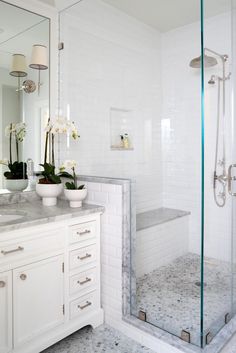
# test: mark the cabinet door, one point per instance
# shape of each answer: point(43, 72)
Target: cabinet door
point(38, 298)
point(5, 312)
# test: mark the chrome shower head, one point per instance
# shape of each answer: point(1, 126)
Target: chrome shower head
point(209, 61)
point(212, 80)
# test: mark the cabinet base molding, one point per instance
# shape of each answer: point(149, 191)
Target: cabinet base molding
point(44, 341)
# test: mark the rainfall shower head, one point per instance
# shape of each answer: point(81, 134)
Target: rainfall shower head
point(209, 61)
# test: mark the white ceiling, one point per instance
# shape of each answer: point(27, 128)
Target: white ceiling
point(166, 15)
point(163, 15)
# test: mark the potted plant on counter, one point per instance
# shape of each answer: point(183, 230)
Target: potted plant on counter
point(49, 186)
point(73, 192)
point(16, 176)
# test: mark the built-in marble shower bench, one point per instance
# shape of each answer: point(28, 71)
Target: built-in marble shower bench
point(162, 236)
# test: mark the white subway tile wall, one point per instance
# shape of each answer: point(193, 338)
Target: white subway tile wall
point(116, 63)
point(159, 245)
point(119, 62)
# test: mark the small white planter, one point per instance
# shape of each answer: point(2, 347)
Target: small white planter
point(49, 193)
point(75, 197)
point(15, 185)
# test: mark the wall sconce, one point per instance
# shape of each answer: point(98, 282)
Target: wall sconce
point(18, 67)
point(39, 60)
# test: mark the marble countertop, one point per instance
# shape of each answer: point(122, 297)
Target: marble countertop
point(34, 213)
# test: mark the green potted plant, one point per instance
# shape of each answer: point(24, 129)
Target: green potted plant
point(49, 186)
point(73, 192)
point(16, 176)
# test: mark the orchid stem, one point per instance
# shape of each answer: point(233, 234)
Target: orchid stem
point(75, 178)
point(10, 143)
point(46, 148)
point(53, 156)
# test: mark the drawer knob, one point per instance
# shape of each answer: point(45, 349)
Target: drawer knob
point(2, 284)
point(20, 248)
point(23, 277)
point(86, 231)
point(82, 307)
point(87, 256)
point(85, 281)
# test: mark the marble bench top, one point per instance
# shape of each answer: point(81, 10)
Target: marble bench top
point(34, 213)
point(158, 216)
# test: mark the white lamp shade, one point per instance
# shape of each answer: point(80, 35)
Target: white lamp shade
point(39, 58)
point(18, 67)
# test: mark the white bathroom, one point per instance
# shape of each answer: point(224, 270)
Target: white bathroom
point(117, 176)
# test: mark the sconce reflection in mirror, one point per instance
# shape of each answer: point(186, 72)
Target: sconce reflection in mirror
point(39, 61)
point(29, 86)
point(18, 67)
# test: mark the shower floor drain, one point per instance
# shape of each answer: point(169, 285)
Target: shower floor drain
point(198, 284)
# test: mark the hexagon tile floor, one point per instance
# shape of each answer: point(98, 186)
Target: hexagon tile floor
point(103, 339)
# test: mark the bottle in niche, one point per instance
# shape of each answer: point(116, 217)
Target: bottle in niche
point(126, 141)
point(121, 141)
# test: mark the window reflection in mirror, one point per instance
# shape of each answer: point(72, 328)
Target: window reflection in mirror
point(24, 94)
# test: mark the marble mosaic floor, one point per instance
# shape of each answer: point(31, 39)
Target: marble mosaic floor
point(103, 339)
point(170, 296)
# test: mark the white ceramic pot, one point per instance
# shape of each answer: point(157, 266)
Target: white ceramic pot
point(49, 193)
point(15, 185)
point(75, 196)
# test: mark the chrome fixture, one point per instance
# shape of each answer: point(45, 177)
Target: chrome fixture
point(220, 176)
point(212, 80)
point(209, 61)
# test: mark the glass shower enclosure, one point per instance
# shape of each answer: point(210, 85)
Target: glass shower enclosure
point(153, 95)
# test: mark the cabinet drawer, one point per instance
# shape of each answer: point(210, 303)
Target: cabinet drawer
point(84, 305)
point(82, 232)
point(82, 256)
point(83, 282)
point(31, 246)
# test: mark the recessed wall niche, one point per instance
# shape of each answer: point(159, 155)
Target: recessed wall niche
point(121, 129)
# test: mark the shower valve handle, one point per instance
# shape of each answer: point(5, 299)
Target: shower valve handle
point(230, 179)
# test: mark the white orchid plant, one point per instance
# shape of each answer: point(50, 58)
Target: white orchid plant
point(17, 169)
point(60, 126)
point(70, 165)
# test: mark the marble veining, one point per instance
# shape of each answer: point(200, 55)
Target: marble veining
point(158, 216)
point(102, 339)
point(35, 213)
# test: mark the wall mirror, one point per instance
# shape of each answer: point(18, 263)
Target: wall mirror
point(24, 93)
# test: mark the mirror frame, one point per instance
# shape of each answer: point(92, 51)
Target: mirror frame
point(51, 13)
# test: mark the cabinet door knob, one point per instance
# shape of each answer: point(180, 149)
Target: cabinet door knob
point(23, 277)
point(2, 284)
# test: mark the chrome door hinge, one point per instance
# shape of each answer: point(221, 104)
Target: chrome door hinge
point(63, 309)
point(61, 46)
point(63, 267)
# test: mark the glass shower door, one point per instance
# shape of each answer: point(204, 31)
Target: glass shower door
point(219, 169)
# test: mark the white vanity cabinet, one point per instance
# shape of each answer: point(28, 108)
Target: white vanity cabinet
point(5, 312)
point(49, 283)
point(38, 298)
